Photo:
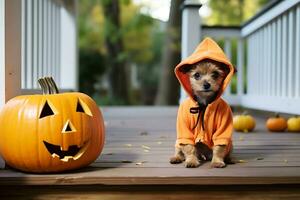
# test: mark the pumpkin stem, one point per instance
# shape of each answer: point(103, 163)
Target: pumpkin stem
point(277, 115)
point(51, 84)
point(48, 85)
point(43, 85)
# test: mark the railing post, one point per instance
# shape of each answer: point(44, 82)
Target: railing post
point(191, 31)
point(10, 85)
point(10, 51)
point(68, 31)
point(240, 67)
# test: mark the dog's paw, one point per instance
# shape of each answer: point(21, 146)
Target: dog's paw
point(192, 163)
point(176, 160)
point(219, 164)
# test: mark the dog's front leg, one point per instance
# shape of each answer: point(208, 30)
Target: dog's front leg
point(178, 156)
point(190, 154)
point(218, 156)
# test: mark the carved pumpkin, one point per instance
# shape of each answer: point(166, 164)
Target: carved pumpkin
point(276, 124)
point(51, 132)
point(243, 123)
point(293, 124)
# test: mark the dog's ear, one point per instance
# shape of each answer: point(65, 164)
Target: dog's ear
point(186, 68)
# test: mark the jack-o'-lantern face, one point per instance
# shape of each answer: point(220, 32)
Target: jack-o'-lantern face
point(74, 151)
point(51, 132)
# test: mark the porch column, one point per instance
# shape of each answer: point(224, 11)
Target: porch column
point(191, 31)
point(10, 51)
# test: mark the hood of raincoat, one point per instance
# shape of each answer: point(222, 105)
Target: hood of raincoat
point(207, 49)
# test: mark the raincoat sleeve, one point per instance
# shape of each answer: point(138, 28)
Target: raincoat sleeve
point(184, 133)
point(224, 129)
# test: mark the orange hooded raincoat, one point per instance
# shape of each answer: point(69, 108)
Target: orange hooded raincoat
point(217, 118)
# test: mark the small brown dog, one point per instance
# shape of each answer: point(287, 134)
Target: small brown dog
point(206, 78)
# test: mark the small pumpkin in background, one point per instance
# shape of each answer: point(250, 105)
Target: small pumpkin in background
point(51, 132)
point(293, 124)
point(243, 123)
point(276, 124)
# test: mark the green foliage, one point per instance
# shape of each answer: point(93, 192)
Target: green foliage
point(232, 12)
point(92, 66)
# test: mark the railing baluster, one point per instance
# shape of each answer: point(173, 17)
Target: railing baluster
point(278, 58)
point(24, 35)
point(29, 34)
point(297, 54)
point(34, 43)
point(40, 38)
point(240, 67)
point(273, 60)
point(227, 49)
point(290, 56)
point(284, 57)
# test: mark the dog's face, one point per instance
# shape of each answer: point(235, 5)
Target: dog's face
point(206, 78)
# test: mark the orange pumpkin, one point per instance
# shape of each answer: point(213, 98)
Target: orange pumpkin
point(243, 123)
point(51, 132)
point(276, 124)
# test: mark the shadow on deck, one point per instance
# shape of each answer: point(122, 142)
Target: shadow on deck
point(140, 140)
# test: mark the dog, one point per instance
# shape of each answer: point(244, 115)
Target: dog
point(206, 80)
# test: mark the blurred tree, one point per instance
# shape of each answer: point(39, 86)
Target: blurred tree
point(92, 66)
point(119, 32)
point(234, 12)
point(168, 90)
point(116, 57)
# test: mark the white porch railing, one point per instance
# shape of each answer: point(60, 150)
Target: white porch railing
point(272, 63)
point(37, 38)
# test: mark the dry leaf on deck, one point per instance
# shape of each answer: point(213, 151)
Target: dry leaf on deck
point(128, 145)
point(140, 163)
point(145, 147)
point(241, 138)
point(159, 142)
point(126, 161)
point(259, 158)
point(146, 150)
point(242, 161)
point(144, 133)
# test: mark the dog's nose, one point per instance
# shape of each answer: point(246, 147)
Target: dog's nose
point(206, 85)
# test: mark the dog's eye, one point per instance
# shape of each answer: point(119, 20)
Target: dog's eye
point(215, 75)
point(197, 76)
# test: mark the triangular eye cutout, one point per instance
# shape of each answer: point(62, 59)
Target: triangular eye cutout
point(46, 111)
point(79, 108)
point(68, 128)
point(83, 107)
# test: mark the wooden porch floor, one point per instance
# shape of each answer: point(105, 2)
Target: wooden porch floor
point(140, 141)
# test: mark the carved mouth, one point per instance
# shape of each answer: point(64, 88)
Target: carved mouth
point(74, 152)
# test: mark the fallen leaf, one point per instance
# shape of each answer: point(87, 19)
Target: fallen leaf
point(145, 147)
point(128, 145)
point(286, 161)
point(242, 161)
point(241, 138)
point(126, 161)
point(144, 133)
point(140, 163)
point(259, 158)
point(146, 150)
point(159, 142)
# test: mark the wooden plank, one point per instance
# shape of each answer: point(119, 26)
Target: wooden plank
point(145, 176)
point(149, 193)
